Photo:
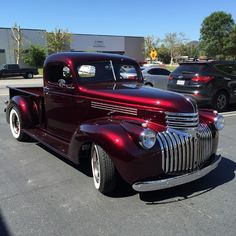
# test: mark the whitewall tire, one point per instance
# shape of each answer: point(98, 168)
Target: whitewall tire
point(103, 170)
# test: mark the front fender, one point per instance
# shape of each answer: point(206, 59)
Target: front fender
point(120, 141)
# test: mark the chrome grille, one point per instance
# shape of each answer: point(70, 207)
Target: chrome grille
point(182, 120)
point(182, 152)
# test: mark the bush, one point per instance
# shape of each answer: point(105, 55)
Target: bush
point(35, 56)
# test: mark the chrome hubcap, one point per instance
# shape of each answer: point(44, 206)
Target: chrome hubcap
point(15, 124)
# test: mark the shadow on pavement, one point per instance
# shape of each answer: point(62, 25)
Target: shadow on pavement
point(223, 174)
point(4, 231)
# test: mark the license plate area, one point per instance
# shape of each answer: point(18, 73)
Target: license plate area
point(180, 82)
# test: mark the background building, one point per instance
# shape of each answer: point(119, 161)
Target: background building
point(127, 45)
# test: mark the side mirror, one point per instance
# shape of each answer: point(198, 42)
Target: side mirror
point(66, 72)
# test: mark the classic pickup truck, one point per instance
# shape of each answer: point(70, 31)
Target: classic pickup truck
point(9, 70)
point(90, 108)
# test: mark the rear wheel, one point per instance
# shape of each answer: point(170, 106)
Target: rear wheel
point(103, 169)
point(29, 75)
point(16, 124)
point(221, 101)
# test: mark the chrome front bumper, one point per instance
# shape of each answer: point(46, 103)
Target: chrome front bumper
point(145, 186)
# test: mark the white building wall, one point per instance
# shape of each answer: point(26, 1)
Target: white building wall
point(130, 46)
point(6, 43)
point(134, 47)
point(97, 43)
point(29, 37)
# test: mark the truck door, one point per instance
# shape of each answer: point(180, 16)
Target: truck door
point(59, 101)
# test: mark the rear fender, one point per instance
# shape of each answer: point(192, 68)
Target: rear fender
point(28, 110)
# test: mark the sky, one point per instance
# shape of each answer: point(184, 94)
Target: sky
point(120, 17)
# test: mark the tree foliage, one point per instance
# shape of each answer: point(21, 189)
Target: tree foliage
point(214, 34)
point(17, 37)
point(163, 54)
point(230, 48)
point(174, 41)
point(58, 41)
point(35, 56)
point(150, 43)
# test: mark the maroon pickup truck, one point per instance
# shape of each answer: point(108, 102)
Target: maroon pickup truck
point(91, 108)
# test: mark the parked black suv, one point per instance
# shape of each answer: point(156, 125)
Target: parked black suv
point(208, 82)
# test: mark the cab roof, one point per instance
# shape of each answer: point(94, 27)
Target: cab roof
point(80, 57)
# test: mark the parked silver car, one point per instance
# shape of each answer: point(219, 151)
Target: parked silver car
point(156, 76)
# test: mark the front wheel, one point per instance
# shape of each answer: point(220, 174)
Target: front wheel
point(103, 169)
point(16, 124)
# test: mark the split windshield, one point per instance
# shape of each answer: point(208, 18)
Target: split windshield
point(107, 71)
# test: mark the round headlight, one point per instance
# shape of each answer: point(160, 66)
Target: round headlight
point(219, 122)
point(147, 139)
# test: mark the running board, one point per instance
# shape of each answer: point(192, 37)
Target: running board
point(50, 141)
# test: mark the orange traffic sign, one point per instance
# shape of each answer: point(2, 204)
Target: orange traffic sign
point(153, 54)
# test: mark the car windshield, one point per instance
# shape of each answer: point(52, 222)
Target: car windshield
point(106, 71)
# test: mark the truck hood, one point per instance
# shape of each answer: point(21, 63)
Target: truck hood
point(137, 94)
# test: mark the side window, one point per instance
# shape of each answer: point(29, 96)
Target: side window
point(229, 69)
point(164, 72)
point(95, 71)
point(154, 71)
point(86, 71)
point(59, 74)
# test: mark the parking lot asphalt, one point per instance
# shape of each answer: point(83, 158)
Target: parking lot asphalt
point(42, 194)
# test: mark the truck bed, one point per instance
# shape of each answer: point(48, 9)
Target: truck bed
point(33, 91)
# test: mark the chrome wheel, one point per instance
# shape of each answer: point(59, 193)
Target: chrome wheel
point(95, 163)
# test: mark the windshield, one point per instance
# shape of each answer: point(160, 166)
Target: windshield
point(107, 71)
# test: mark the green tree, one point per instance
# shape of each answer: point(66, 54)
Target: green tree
point(35, 56)
point(17, 37)
point(214, 34)
point(163, 54)
point(230, 48)
point(58, 41)
point(174, 41)
point(192, 49)
point(150, 43)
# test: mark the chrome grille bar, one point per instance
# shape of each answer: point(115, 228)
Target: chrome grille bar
point(182, 120)
point(182, 152)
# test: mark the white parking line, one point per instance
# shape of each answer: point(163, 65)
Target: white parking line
point(229, 115)
point(4, 94)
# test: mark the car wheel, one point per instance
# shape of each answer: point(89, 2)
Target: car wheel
point(29, 75)
point(103, 169)
point(221, 101)
point(16, 125)
point(149, 84)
